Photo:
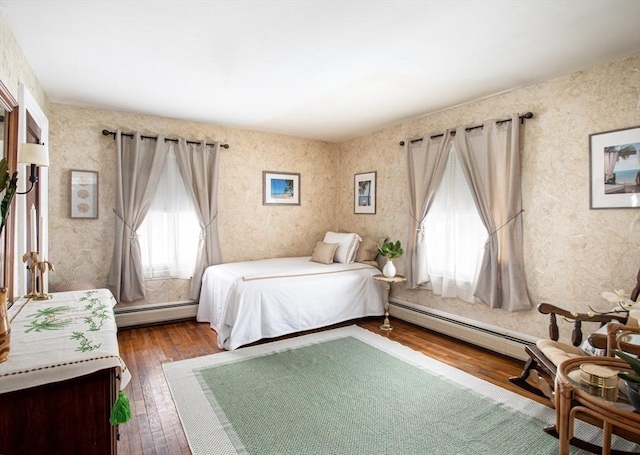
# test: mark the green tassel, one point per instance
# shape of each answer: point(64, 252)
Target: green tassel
point(121, 411)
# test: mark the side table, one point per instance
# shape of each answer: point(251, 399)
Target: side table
point(573, 397)
point(387, 281)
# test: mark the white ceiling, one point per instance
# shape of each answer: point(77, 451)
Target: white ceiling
point(328, 70)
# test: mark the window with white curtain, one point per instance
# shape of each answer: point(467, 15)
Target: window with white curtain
point(170, 233)
point(454, 236)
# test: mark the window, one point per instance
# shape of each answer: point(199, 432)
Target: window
point(454, 236)
point(170, 233)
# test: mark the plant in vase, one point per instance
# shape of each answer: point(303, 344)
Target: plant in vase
point(8, 185)
point(632, 380)
point(391, 251)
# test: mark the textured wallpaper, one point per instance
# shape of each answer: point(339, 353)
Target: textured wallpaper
point(572, 253)
point(81, 249)
point(14, 68)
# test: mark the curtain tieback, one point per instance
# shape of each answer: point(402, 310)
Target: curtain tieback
point(133, 235)
point(203, 233)
point(420, 229)
point(418, 222)
point(507, 222)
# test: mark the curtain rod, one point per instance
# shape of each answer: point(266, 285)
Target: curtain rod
point(107, 133)
point(528, 115)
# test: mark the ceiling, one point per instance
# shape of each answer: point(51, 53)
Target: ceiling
point(327, 70)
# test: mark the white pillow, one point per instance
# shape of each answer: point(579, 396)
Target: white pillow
point(347, 246)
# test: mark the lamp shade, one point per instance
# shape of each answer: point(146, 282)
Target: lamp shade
point(37, 154)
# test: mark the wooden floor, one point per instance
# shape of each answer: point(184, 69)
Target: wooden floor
point(155, 427)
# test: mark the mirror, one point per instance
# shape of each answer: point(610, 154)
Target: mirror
point(3, 153)
point(2, 115)
point(9, 149)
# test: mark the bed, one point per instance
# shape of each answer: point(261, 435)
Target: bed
point(247, 301)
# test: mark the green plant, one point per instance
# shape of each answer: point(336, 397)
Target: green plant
point(391, 250)
point(634, 363)
point(8, 184)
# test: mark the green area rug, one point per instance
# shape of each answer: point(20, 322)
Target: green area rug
point(349, 391)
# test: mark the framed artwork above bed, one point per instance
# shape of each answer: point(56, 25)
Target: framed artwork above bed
point(280, 188)
point(364, 192)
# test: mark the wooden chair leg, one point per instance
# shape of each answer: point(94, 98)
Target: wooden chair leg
point(521, 381)
point(526, 371)
point(545, 388)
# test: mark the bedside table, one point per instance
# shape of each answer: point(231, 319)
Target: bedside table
point(387, 281)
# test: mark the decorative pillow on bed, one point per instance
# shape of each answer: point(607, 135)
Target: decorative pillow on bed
point(324, 252)
point(347, 246)
point(368, 249)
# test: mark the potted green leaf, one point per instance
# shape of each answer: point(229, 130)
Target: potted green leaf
point(631, 379)
point(391, 251)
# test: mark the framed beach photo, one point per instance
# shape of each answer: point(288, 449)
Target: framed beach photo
point(280, 188)
point(364, 193)
point(615, 169)
point(84, 194)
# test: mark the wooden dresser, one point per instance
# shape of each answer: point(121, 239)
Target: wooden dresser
point(58, 387)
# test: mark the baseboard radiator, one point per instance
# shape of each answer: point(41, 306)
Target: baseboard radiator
point(490, 337)
point(496, 339)
point(156, 313)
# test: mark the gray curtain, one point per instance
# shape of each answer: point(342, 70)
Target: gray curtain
point(490, 159)
point(139, 165)
point(426, 161)
point(198, 164)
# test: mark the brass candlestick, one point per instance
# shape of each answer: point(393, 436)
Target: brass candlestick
point(42, 267)
point(33, 257)
point(36, 266)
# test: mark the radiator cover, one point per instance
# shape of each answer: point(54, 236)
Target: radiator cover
point(490, 337)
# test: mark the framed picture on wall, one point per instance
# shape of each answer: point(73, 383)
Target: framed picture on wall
point(84, 194)
point(364, 192)
point(280, 188)
point(615, 169)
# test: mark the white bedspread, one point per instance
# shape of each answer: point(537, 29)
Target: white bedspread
point(247, 301)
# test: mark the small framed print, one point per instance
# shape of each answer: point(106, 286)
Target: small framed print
point(280, 188)
point(84, 194)
point(364, 192)
point(615, 169)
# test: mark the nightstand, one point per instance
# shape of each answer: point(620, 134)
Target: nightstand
point(388, 281)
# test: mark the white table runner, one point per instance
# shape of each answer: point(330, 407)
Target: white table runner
point(71, 335)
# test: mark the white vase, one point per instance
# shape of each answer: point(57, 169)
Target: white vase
point(389, 270)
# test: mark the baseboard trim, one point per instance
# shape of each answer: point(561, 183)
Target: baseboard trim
point(158, 313)
point(502, 341)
